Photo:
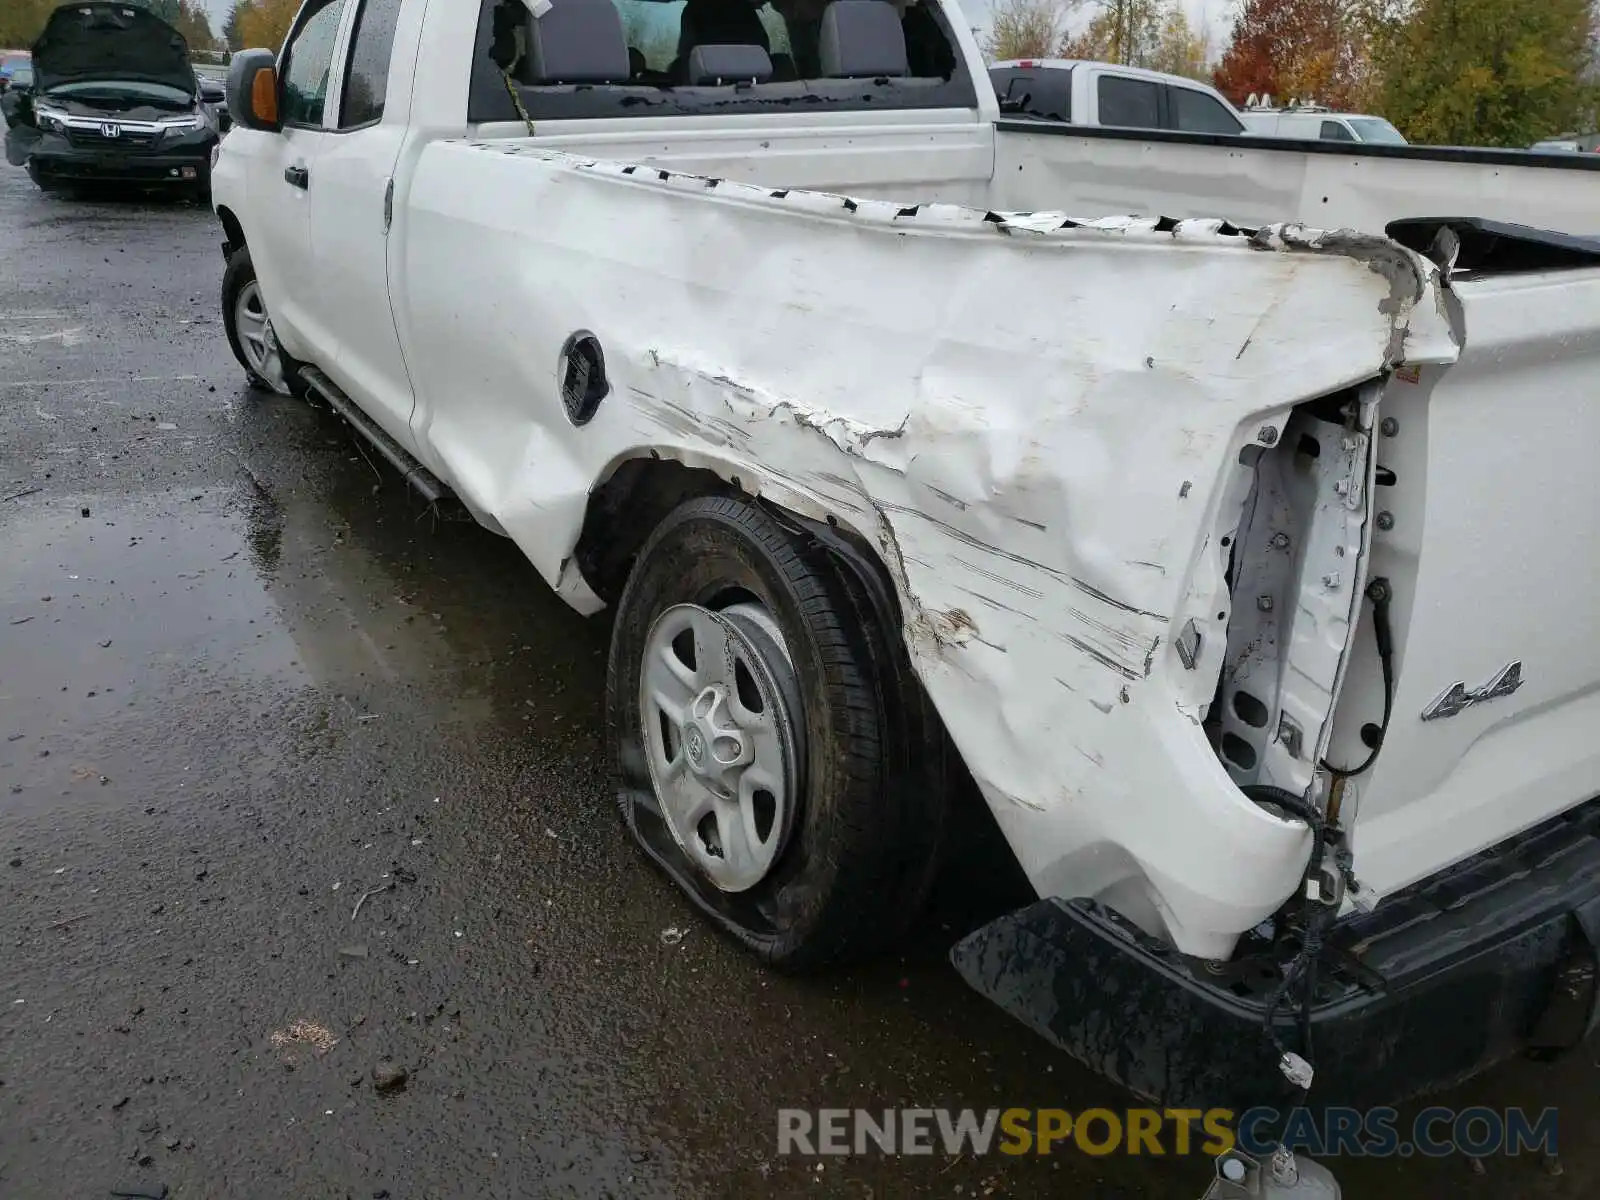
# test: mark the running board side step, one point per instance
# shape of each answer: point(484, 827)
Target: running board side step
point(427, 485)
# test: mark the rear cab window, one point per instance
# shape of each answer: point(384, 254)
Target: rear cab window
point(1044, 92)
point(642, 58)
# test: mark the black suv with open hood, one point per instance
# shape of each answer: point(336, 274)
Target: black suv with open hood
point(114, 99)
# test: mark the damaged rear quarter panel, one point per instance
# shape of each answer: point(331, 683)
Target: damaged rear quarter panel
point(1030, 422)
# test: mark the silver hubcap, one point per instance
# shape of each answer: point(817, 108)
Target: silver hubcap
point(721, 738)
point(255, 335)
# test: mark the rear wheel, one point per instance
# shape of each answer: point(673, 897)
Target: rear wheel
point(249, 326)
point(773, 753)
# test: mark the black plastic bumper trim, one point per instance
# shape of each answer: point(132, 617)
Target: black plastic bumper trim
point(1440, 982)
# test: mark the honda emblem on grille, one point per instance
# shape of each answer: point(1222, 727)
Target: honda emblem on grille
point(110, 129)
point(1457, 699)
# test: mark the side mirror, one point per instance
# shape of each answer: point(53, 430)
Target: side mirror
point(212, 92)
point(252, 92)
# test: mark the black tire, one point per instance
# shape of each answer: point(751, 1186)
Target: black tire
point(862, 855)
point(239, 272)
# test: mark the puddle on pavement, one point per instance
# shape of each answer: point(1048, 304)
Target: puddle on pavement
point(241, 596)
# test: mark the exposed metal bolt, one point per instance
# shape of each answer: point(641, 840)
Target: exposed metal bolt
point(1331, 581)
point(1386, 520)
point(1342, 486)
point(1268, 436)
point(1285, 1170)
point(1348, 442)
point(1280, 540)
point(1389, 426)
point(1264, 603)
point(1289, 734)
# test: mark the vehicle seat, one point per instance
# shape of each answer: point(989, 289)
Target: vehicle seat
point(719, 23)
point(716, 65)
point(578, 41)
point(861, 39)
point(926, 45)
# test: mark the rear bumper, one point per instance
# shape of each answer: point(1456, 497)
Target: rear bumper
point(1440, 982)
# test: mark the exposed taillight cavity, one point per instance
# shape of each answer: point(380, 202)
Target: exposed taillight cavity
point(1294, 567)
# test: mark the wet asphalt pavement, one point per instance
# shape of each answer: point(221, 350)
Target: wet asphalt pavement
point(245, 682)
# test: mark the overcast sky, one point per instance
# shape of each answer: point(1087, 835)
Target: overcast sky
point(217, 10)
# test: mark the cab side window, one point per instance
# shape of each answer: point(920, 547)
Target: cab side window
point(366, 76)
point(1129, 103)
point(307, 63)
point(1334, 131)
point(1196, 112)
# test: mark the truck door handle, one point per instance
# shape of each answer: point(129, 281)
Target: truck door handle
point(298, 176)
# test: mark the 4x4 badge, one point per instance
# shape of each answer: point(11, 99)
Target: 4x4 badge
point(1458, 699)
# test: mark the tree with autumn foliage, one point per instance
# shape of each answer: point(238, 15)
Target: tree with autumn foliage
point(1025, 29)
point(1298, 48)
point(188, 17)
point(232, 27)
point(22, 21)
point(263, 24)
point(1155, 34)
point(1182, 49)
point(1490, 72)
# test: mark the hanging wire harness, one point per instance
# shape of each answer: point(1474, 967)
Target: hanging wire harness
point(1324, 890)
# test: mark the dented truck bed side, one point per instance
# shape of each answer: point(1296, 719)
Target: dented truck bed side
point(1052, 487)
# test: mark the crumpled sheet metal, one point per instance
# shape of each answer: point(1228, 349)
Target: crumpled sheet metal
point(1032, 419)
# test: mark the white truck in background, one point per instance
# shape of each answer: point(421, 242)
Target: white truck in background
point(1315, 122)
point(1190, 160)
point(1242, 567)
point(1109, 95)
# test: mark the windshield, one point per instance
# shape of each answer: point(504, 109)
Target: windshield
point(1376, 129)
point(122, 89)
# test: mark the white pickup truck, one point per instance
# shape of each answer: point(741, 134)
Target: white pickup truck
point(1248, 571)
